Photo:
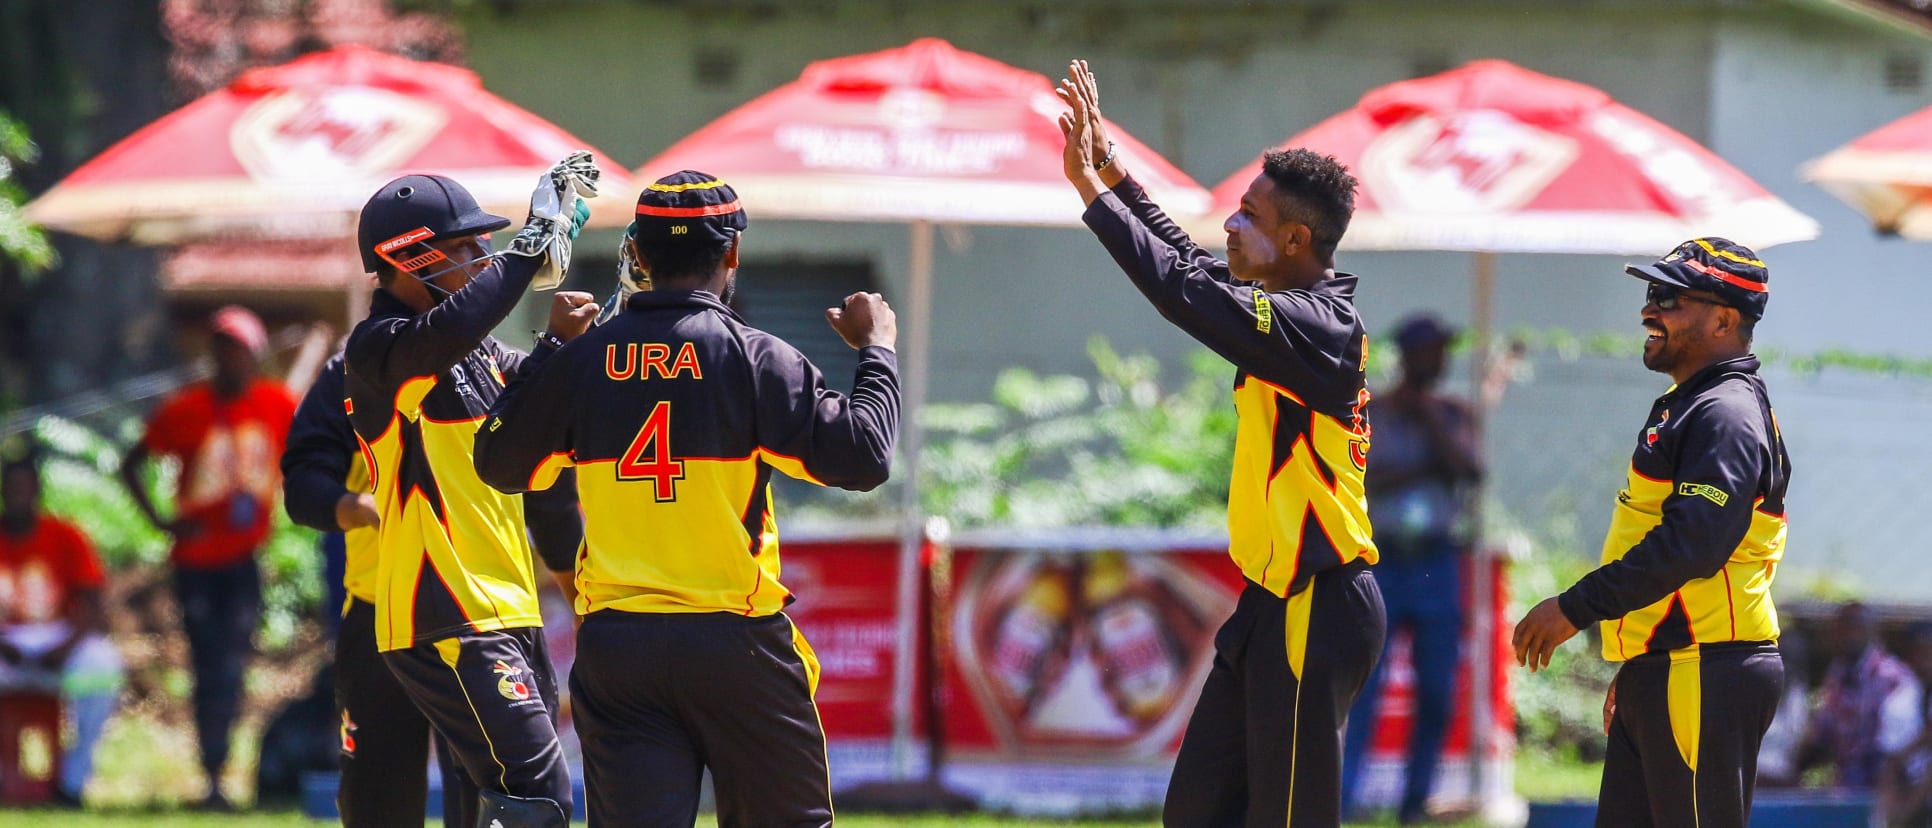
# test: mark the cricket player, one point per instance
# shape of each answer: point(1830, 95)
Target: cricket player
point(1684, 593)
point(456, 613)
point(1264, 746)
point(384, 738)
point(675, 414)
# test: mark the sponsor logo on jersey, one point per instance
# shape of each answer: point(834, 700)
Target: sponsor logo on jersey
point(1264, 313)
point(1704, 490)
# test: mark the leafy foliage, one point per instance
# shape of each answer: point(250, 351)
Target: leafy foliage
point(20, 242)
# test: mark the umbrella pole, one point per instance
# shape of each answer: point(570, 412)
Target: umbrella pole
point(1482, 633)
point(915, 345)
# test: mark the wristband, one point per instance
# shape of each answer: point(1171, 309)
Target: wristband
point(1104, 162)
point(548, 338)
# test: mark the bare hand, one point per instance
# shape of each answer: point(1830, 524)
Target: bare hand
point(1539, 633)
point(355, 511)
point(865, 319)
point(1079, 83)
point(1609, 705)
point(571, 312)
point(1077, 127)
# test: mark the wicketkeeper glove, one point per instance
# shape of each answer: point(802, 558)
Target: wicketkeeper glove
point(549, 230)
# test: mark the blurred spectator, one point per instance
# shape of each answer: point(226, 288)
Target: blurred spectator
point(53, 633)
point(227, 432)
point(1905, 784)
point(1778, 753)
point(1870, 707)
point(1425, 459)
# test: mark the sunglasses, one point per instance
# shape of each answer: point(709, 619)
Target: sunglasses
point(1666, 297)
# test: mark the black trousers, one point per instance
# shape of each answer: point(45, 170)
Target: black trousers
point(660, 697)
point(385, 740)
point(492, 698)
point(1264, 746)
point(1684, 739)
point(220, 609)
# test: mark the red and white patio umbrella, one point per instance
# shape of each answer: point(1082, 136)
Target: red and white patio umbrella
point(923, 134)
point(293, 152)
point(1493, 158)
point(1885, 174)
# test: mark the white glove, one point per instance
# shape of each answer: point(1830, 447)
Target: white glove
point(552, 226)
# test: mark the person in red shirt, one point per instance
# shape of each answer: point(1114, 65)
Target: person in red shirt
point(227, 432)
point(53, 634)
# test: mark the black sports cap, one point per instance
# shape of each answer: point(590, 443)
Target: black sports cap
point(688, 207)
point(418, 208)
point(1714, 265)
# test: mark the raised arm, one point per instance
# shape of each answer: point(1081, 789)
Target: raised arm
point(816, 434)
point(525, 441)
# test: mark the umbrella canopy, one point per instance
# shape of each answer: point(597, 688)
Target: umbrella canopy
point(1495, 158)
point(1886, 174)
point(923, 132)
point(293, 152)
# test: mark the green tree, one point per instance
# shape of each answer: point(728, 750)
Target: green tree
point(20, 242)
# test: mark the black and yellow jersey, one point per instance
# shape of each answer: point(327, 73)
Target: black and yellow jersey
point(1295, 503)
point(1699, 528)
point(319, 466)
point(674, 414)
point(452, 555)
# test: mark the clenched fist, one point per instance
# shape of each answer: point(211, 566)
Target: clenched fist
point(865, 319)
point(571, 312)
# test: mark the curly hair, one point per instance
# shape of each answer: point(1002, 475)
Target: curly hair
point(1315, 190)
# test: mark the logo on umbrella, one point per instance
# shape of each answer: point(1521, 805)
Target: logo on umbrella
point(1482, 160)
point(323, 135)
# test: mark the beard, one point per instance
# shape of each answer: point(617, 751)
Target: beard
point(1666, 353)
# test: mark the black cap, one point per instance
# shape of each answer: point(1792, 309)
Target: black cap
point(1713, 265)
point(688, 207)
point(418, 208)
point(1420, 329)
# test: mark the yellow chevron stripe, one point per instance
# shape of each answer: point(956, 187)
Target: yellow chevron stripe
point(1726, 254)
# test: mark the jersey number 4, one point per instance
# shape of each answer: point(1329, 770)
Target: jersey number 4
point(649, 455)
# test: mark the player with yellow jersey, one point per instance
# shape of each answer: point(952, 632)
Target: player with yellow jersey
point(456, 611)
point(1683, 597)
point(1264, 746)
point(675, 414)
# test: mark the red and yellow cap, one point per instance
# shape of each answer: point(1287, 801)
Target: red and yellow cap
point(688, 207)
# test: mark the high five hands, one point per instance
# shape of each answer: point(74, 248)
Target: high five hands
point(1085, 131)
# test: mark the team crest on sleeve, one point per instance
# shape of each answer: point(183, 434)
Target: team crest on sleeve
point(510, 682)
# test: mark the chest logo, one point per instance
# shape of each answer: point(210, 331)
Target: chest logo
point(1650, 434)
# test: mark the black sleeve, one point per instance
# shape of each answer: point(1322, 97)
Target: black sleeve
point(1720, 461)
point(321, 446)
point(395, 350)
point(556, 523)
point(526, 436)
point(814, 433)
point(1130, 194)
point(1286, 338)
